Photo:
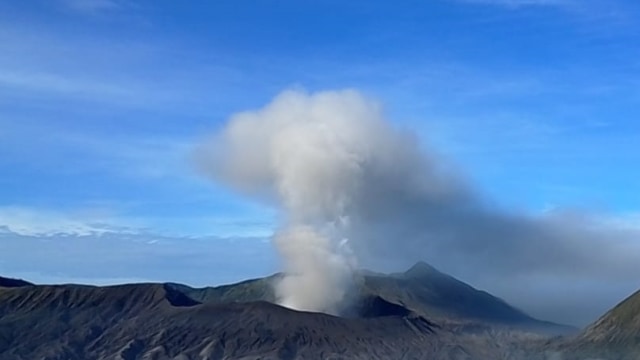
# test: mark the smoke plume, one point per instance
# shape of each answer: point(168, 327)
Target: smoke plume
point(353, 188)
point(320, 159)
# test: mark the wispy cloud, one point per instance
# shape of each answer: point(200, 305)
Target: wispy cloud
point(629, 221)
point(148, 74)
point(130, 156)
point(118, 257)
point(30, 222)
point(521, 3)
point(60, 84)
point(100, 219)
point(594, 16)
point(91, 6)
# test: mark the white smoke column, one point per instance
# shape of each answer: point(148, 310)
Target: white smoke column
point(317, 273)
point(313, 156)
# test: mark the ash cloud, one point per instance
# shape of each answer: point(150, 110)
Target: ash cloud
point(355, 190)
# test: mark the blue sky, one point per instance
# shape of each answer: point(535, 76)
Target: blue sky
point(102, 101)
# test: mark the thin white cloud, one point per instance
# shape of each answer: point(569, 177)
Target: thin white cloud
point(129, 156)
point(56, 279)
point(122, 257)
point(106, 220)
point(57, 83)
point(91, 6)
point(99, 69)
point(30, 222)
point(629, 221)
point(521, 3)
point(595, 16)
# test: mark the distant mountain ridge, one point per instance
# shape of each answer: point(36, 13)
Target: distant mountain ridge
point(154, 321)
point(418, 314)
point(9, 282)
point(422, 289)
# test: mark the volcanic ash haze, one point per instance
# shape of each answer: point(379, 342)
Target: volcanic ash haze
point(352, 186)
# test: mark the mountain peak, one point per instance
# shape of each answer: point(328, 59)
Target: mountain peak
point(421, 269)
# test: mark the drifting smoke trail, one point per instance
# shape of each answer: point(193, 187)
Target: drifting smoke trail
point(347, 182)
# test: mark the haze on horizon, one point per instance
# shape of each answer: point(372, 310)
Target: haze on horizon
point(529, 104)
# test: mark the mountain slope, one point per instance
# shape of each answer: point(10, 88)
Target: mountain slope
point(422, 289)
point(620, 326)
point(616, 335)
point(245, 291)
point(160, 321)
point(61, 320)
point(151, 321)
point(446, 299)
